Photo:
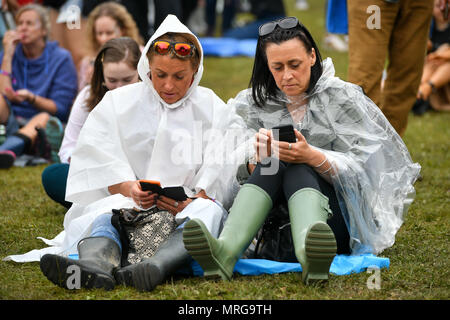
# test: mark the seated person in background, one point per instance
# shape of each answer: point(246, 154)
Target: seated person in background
point(107, 21)
point(114, 67)
point(434, 89)
point(344, 174)
point(38, 82)
point(263, 11)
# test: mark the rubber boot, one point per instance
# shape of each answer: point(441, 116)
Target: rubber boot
point(217, 257)
point(98, 257)
point(314, 241)
point(147, 274)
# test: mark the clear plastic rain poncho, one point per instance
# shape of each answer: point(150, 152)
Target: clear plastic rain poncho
point(373, 172)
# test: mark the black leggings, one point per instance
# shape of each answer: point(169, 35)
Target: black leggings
point(290, 178)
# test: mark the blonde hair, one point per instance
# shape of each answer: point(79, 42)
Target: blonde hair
point(41, 12)
point(179, 37)
point(122, 17)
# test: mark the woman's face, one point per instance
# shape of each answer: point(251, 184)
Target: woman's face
point(106, 28)
point(171, 77)
point(29, 27)
point(118, 74)
point(290, 65)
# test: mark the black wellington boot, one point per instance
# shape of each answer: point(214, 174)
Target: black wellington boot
point(150, 272)
point(98, 258)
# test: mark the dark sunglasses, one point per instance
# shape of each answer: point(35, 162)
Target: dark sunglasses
point(181, 49)
point(284, 23)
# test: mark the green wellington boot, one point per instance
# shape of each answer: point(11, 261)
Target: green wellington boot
point(314, 241)
point(99, 257)
point(217, 257)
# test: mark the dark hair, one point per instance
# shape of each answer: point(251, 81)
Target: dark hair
point(262, 82)
point(114, 50)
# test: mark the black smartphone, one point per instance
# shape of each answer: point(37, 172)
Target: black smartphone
point(285, 133)
point(175, 193)
point(149, 185)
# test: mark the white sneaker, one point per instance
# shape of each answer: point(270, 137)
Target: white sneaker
point(301, 5)
point(334, 42)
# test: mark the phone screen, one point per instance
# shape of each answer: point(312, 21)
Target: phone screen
point(285, 133)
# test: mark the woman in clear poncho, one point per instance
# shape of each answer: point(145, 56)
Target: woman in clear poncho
point(347, 179)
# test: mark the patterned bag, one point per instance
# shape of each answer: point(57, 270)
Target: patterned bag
point(142, 231)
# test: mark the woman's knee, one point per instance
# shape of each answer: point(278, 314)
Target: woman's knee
point(299, 176)
point(54, 178)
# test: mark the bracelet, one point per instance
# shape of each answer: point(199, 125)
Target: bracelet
point(318, 166)
point(6, 73)
point(325, 170)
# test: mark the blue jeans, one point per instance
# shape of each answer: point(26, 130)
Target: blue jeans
point(102, 227)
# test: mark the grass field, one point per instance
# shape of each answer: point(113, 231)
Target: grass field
point(419, 259)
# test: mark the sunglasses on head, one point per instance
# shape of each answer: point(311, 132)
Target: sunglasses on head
point(284, 23)
point(181, 49)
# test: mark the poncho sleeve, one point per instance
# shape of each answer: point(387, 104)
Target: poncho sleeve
point(224, 151)
point(99, 159)
point(373, 172)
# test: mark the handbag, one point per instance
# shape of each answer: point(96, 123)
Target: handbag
point(142, 231)
point(274, 239)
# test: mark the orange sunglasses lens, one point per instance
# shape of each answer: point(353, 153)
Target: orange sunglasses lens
point(183, 49)
point(162, 47)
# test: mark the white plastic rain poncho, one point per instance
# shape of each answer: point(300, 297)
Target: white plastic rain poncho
point(133, 134)
point(373, 172)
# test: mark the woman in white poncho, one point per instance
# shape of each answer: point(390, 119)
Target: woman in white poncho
point(345, 176)
point(158, 129)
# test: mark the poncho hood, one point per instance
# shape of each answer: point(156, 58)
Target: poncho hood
point(170, 24)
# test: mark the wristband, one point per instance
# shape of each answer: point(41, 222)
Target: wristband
point(5, 73)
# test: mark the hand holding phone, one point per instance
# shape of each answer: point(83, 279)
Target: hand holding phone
point(176, 193)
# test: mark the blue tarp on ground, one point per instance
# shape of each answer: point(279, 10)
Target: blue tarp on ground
point(228, 47)
point(342, 265)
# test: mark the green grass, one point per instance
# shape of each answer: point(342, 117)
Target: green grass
point(419, 259)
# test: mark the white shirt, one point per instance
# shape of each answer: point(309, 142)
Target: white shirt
point(77, 118)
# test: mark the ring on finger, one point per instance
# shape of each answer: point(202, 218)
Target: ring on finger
point(175, 204)
point(290, 146)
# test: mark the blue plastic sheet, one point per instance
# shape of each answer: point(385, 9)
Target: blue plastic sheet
point(337, 19)
point(228, 47)
point(342, 265)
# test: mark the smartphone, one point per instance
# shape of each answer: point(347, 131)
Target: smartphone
point(151, 185)
point(175, 193)
point(285, 133)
